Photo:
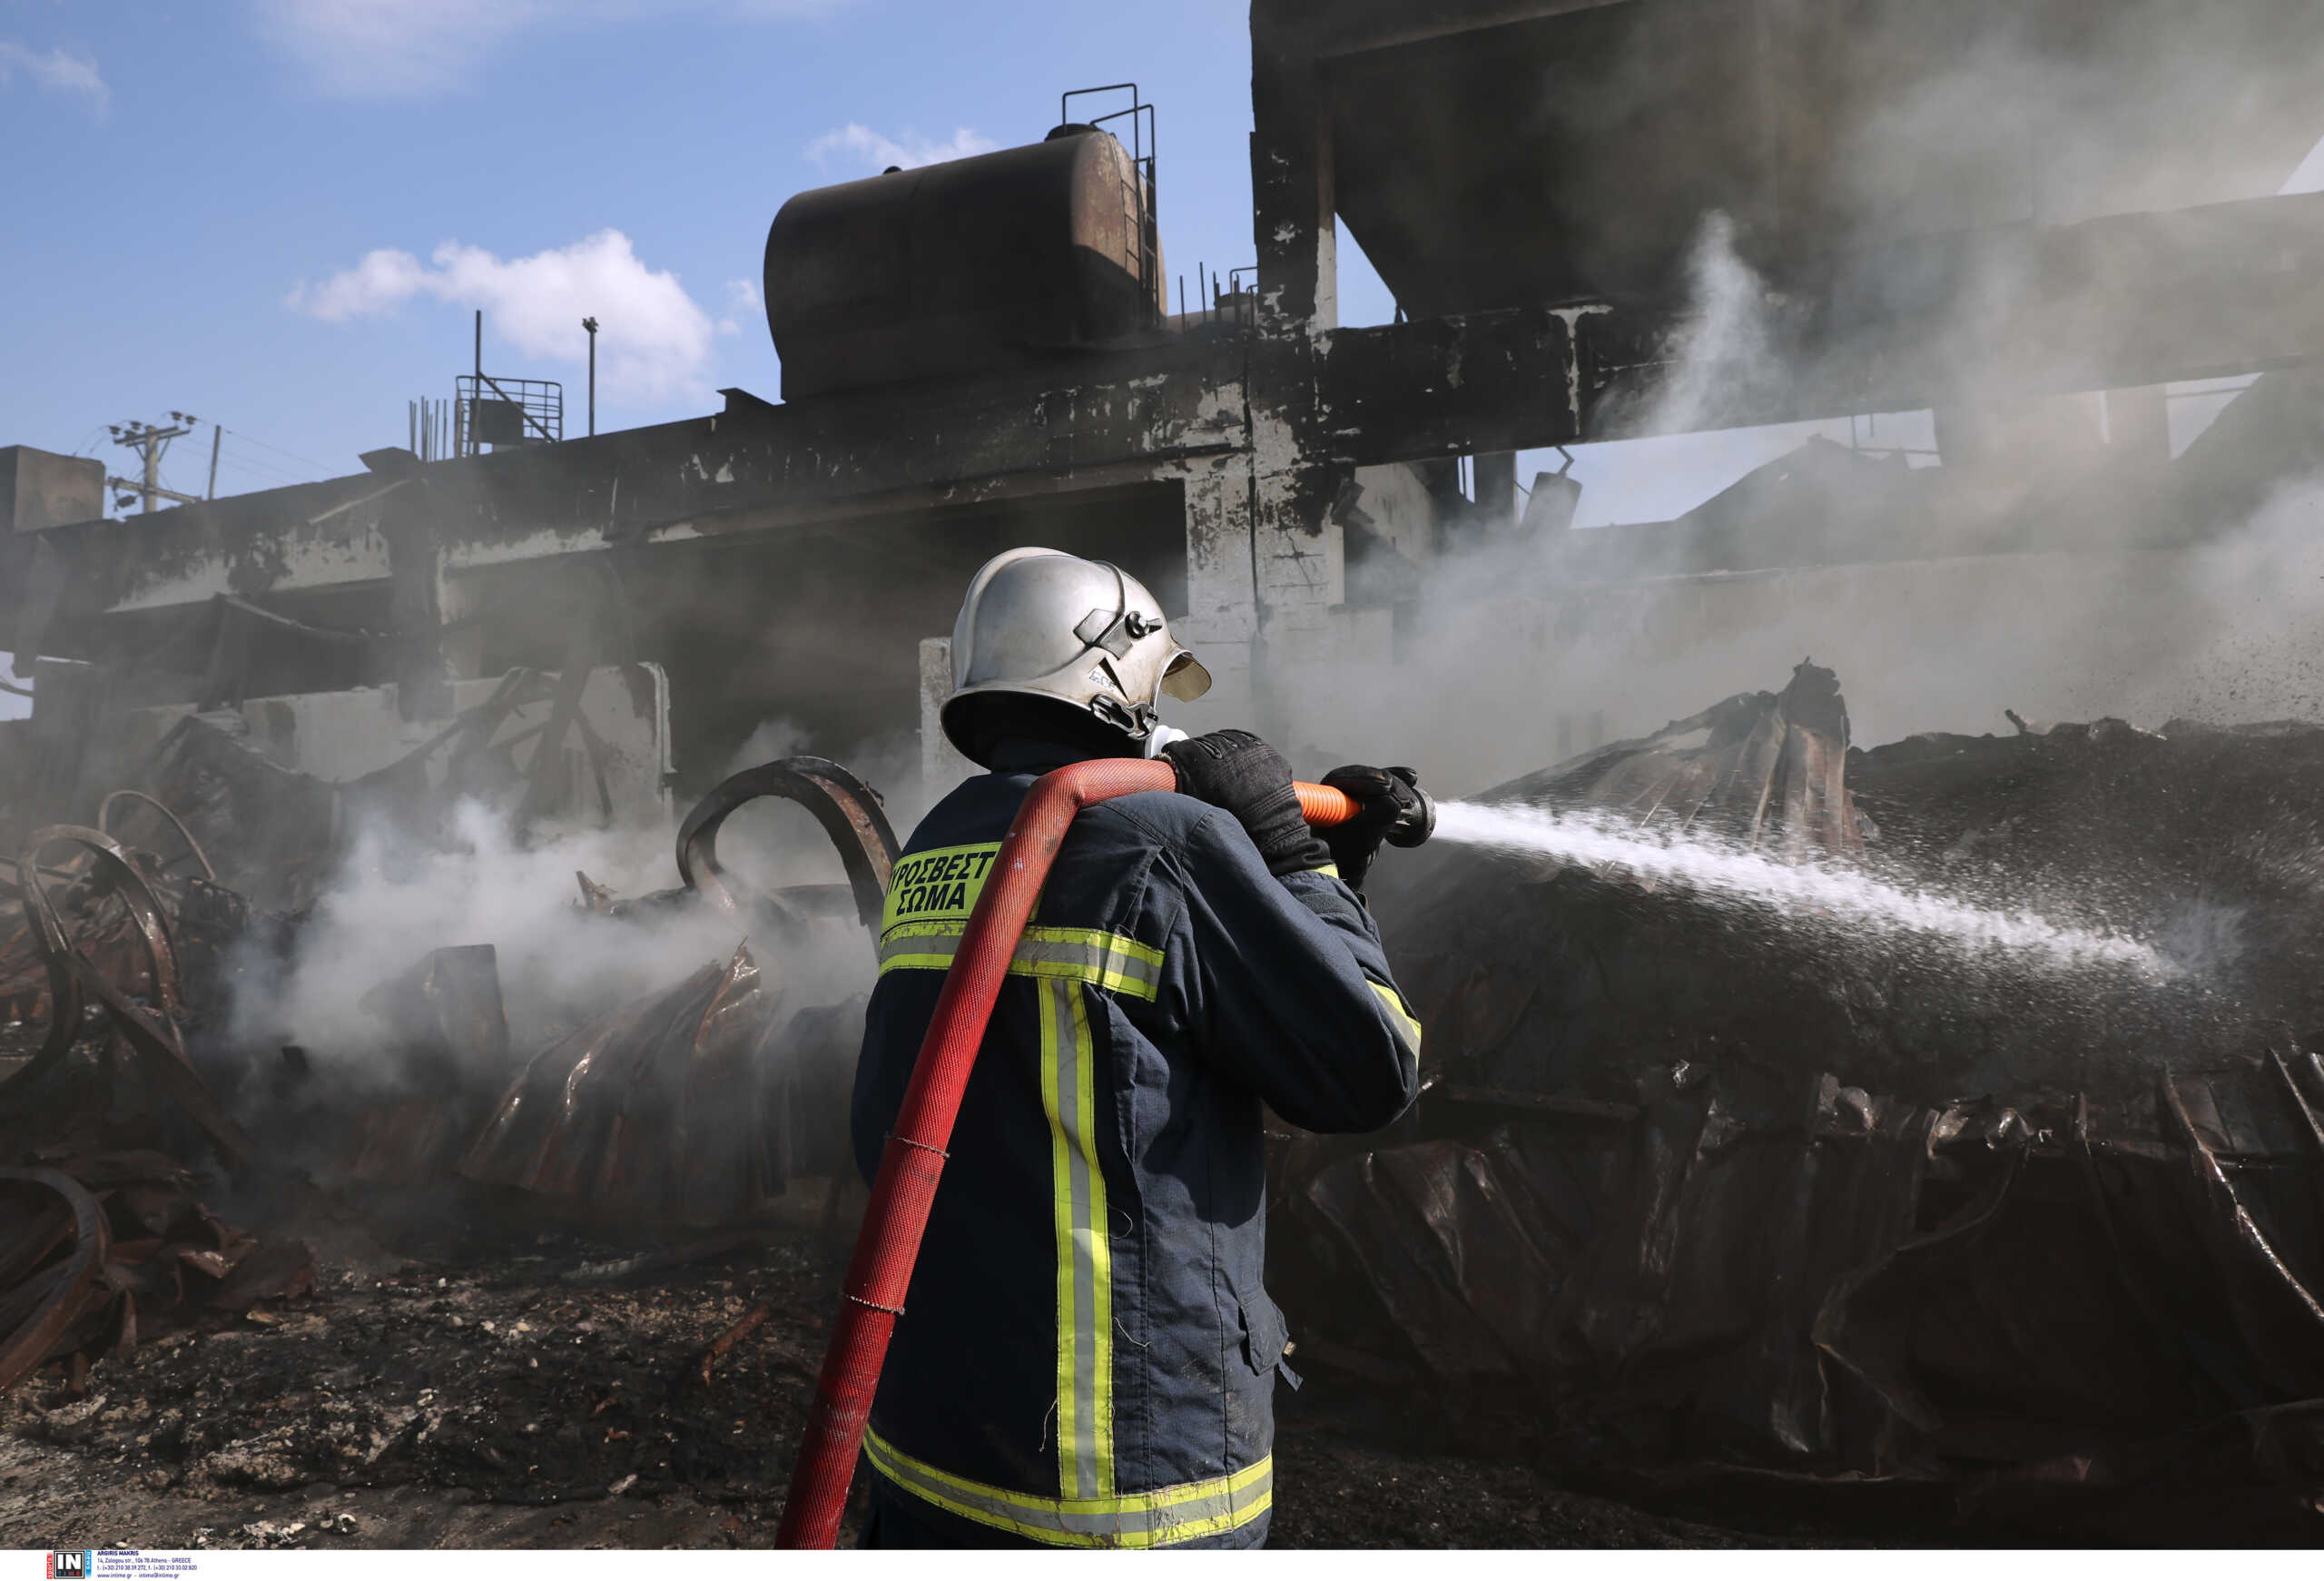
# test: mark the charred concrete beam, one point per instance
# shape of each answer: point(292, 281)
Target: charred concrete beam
point(1129, 413)
point(1159, 404)
point(2128, 300)
point(1447, 387)
point(1294, 202)
point(1319, 29)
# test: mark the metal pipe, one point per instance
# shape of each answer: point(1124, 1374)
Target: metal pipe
point(887, 1245)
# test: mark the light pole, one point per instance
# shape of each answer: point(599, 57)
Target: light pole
point(590, 324)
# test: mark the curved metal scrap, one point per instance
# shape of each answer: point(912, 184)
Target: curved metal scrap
point(127, 882)
point(64, 1014)
point(154, 1033)
point(65, 1301)
point(848, 809)
point(193, 846)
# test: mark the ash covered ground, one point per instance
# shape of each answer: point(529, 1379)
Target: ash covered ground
point(463, 1391)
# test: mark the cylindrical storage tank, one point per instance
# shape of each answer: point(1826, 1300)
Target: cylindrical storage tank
point(993, 261)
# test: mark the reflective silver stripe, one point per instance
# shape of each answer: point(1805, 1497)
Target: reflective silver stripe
point(1081, 954)
point(1180, 1514)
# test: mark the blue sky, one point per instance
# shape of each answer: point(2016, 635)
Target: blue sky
point(186, 182)
point(279, 214)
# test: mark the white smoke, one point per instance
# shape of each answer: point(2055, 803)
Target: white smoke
point(392, 903)
point(1726, 342)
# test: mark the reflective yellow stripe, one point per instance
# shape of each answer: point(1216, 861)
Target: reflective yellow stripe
point(1181, 1513)
point(1085, 1341)
point(1078, 955)
point(1399, 1015)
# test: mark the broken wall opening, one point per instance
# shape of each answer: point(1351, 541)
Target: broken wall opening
point(820, 628)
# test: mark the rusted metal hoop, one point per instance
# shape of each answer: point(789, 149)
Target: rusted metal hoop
point(28, 1346)
point(848, 809)
point(154, 1033)
point(66, 1012)
point(136, 894)
point(193, 847)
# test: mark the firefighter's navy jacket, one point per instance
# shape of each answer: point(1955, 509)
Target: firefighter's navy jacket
point(1086, 1355)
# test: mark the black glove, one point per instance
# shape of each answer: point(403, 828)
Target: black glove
point(1382, 797)
point(1236, 770)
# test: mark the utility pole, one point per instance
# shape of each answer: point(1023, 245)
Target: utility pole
point(217, 437)
point(590, 324)
point(151, 441)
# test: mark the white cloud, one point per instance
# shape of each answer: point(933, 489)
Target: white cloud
point(405, 49)
point(859, 144)
point(55, 72)
point(742, 300)
point(654, 343)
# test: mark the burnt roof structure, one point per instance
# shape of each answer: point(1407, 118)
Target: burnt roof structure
point(1530, 177)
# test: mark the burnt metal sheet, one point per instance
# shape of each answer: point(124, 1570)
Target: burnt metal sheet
point(1865, 1289)
point(450, 1059)
point(1766, 769)
point(693, 1106)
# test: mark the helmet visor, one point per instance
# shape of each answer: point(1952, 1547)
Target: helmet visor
point(1185, 678)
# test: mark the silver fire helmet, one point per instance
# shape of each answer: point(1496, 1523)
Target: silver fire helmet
point(1037, 623)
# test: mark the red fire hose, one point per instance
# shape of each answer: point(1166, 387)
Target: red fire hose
point(888, 1243)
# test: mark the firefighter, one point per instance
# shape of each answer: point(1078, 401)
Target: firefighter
point(1086, 1355)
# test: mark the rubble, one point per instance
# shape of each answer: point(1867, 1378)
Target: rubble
point(692, 1107)
point(1695, 1199)
point(100, 1253)
point(1724, 1212)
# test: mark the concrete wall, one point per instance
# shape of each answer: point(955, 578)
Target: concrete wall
point(940, 766)
point(39, 489)
point(1403, 514)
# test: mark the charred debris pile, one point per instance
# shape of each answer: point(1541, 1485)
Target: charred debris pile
point(1769, 1207)
point(1701, 1203)
point(143, 1113)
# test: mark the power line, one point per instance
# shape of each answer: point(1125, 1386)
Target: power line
point(244, 458)
point(322, 467)
point(300, 470)
point(258, 470)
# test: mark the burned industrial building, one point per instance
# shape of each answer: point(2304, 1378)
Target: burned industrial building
point(367, 1162)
